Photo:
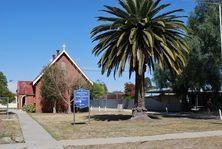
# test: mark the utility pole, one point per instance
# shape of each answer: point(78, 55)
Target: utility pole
point(219, 4)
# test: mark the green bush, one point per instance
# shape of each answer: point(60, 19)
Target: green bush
point(128, 97)
point(29, 108)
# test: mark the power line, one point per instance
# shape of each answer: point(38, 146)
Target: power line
point(97, 70)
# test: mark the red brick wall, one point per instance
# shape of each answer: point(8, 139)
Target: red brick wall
point(29, 100)
point(19, 103)
point(115, 96)
point(38, 96)
point(70, 69)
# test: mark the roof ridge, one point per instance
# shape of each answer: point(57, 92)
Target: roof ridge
point(54, 60)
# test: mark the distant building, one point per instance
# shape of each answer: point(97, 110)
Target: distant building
point(28, 92)
point(115, 95)
point(166, 98)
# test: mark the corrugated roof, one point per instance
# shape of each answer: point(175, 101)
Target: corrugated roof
point(25, 88)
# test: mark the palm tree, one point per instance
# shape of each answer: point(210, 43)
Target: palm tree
point(138, 34)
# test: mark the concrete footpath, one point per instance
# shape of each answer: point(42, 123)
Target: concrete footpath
point(185, 135)
point(36, 137)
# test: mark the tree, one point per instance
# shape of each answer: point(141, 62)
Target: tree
point(129, 90)
point(49, 93)
point(204, 60)
point(3, 84)
point(205, 42)
point(58, 84)
point(139, 33)
point(147, 84)
point(103, 84)
point(163, 78)
point(98, 90)
point(4, 91)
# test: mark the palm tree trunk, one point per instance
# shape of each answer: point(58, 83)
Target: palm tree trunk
point(139, 104)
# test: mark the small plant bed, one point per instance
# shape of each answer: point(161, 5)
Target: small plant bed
point(10, 131)
point(119, 124)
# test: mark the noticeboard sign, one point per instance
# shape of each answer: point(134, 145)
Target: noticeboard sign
point(82, 98)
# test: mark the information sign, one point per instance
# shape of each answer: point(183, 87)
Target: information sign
point(82, 98)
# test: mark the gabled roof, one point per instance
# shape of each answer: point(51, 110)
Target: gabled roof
point(53, 61)
point(25, 88)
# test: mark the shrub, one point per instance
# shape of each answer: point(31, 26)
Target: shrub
point(127, 98)
point(29, 108)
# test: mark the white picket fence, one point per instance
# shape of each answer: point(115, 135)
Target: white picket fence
point(12, 105)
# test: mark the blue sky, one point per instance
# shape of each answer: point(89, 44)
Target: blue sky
point(32, 30)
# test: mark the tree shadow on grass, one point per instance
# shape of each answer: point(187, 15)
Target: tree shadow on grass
point(119, 117)
point(5, 113)
point(153, 116)
point(80, 123)
point(217, 123)
point(190, 116)
point(111, 117)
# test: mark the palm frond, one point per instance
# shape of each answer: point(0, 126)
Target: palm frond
point(139, 33)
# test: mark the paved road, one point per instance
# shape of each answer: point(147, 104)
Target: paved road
point(36, 137)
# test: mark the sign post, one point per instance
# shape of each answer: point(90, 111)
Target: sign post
point(81, 101)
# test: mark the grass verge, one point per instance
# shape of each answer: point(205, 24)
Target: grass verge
point(197, 143)
point(10, 130)
point(119, 124)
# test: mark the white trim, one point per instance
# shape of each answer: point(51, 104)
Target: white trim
point(60, 54)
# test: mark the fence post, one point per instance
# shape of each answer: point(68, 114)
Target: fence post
point(220, 114)
point(7, 106)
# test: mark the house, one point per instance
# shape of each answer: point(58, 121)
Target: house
point(116, 95)
point(28, 92)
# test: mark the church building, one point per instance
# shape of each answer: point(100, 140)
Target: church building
point(28, 92)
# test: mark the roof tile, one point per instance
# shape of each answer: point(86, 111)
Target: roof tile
point(25, 88)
